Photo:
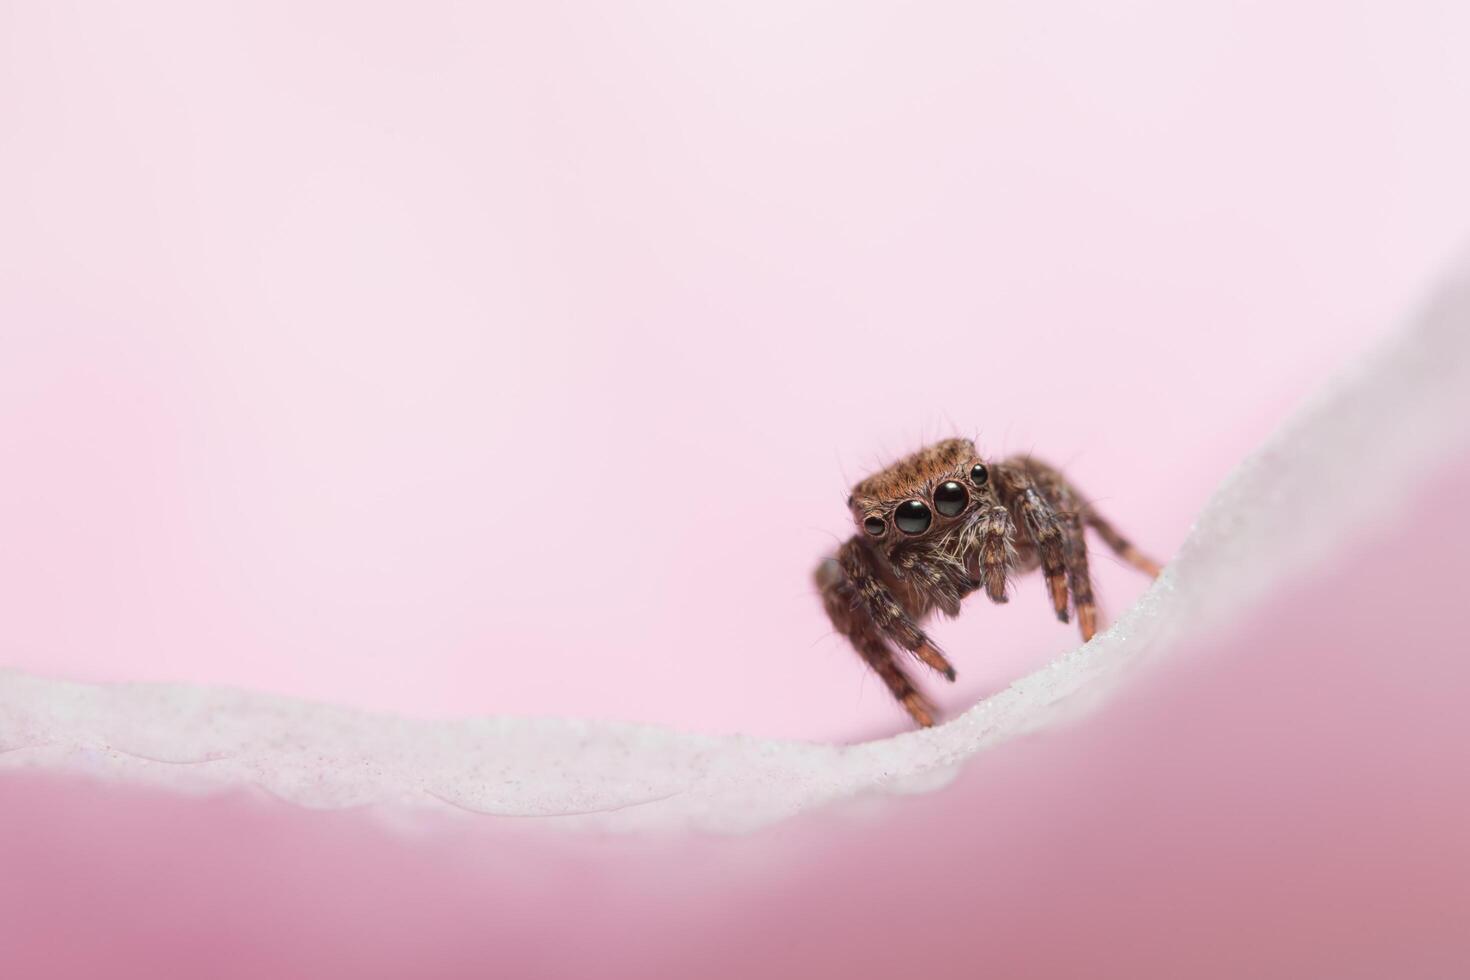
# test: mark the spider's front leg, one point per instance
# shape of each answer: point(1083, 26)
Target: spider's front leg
point(877, 601)
point(862, 609)
point(848, 618)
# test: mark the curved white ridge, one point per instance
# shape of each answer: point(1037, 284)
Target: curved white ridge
point(1284, 509)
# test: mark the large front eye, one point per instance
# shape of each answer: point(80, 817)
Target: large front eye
point(950, 498)
point(912, 517)
point(874, 526)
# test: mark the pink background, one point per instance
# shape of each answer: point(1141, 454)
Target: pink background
point(515, 358)
point(1286, 800)
point(466, 358)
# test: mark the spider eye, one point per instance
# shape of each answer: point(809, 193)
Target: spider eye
point(912, 517)
point(979, 474)
point(874, 526)
point(950, 498)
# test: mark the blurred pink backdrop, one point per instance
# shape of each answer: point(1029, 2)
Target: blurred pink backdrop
point(516, 358)
point(1284, 800)
point(470, 358)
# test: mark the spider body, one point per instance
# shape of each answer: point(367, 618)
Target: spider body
point(941, 524)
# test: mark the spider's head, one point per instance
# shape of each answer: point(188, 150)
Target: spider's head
point(921, 498)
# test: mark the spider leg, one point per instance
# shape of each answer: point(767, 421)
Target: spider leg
point(880, 657)
point(1067, 497)
point(1075, 514)
point(874, 598)
point(1043, 526)
point(1121, 545)
point(1078, 578)
point(851, 620)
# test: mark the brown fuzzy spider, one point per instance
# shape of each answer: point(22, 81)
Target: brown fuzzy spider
point(943, 523)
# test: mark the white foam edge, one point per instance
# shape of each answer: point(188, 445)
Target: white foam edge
point(1400, 411)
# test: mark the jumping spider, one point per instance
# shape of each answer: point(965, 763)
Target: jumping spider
point(943, 523)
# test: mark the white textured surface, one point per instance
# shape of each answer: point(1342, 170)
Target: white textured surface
point(1343, 459)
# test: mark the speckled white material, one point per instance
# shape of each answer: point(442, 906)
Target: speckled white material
point(1344, 458)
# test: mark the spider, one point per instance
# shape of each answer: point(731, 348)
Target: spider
point(942, 523)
